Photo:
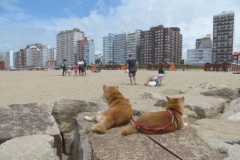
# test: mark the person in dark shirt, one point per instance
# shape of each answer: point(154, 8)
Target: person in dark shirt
point(132, 67)
point(64, 66)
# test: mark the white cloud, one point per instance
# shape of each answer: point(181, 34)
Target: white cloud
point(193, 17)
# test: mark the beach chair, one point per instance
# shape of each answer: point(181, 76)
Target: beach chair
point(158, 82)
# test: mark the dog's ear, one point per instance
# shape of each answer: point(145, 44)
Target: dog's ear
point(104, 86)
point(168, 98)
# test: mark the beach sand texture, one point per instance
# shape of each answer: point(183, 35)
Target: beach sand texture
point(45, 87)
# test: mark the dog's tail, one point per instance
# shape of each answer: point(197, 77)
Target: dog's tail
point(129, 130)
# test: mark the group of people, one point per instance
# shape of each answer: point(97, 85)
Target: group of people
point(132, 69)
point(79, 67)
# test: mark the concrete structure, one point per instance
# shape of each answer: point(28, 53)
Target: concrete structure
point(223, 36)
point(99, 58)
point(10, 59)
point(236, 57)
point(202, 53)
point(160, 45)
point(86, 50)
point(132, 44)
point(108, 49)
point(33, 56)
point(119, 48)
point(67, 45)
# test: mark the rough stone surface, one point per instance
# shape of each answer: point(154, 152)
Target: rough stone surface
point(235, 117)
point(221, 135)
point(19, 120)
point(33, 147)
point(65, 112)
point(112, 145)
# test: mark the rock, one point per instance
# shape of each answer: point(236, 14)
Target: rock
point(221, 135)
point(235, 117)
point(214, 90)
point(172, 92)
point(65, 111)
point(19, 120)
point(37, 147)
point(112, 145)
point(230, 108)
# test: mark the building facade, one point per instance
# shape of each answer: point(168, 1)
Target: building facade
point(119, 49)
point(86, 50)
point(160, 45)
point(202, 52)
point(108, 49)
point(223, 36)
point(67, 45)
point(132, 44)
point(10, 59)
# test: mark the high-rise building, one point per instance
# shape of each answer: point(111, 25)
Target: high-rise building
point(223, 37)
point(10, 59)
point(67, 45)
point(119, 48)
point(86, 50)
point(108, 49)
point(33, 56)
point(160, 45)
point(132, 44)
point(202, 53)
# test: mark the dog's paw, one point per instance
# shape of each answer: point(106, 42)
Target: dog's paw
point(185, 124)
point(87, 118)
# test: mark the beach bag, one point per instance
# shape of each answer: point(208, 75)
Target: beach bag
point(152, 83)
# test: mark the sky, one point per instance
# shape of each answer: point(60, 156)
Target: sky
point(24, 22)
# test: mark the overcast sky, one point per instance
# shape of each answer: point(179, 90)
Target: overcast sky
point(24, 22)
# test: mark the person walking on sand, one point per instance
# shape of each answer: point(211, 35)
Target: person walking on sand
point(84, 68)
point(75, 69)
point(132, 67)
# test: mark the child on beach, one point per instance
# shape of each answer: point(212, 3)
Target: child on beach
point(75, 69)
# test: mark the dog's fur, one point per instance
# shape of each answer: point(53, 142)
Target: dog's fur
point(160, 119)
point(118, 113)
point(69, 72)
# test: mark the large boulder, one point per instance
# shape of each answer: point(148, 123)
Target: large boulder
point(222, 135)
point(19, 120)
point(37, 147)
point(185, 143)
point(65, 111)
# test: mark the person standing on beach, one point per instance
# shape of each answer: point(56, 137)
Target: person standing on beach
point(75, 69)
point(80, 66)
point(132, 67)
point(84, 68)
point(63, 65)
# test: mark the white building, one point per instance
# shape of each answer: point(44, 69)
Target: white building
point(89, 52)
point(132, 44)
point(10, 59)
point(67, 45)
point(108, 49)
point(119, 48)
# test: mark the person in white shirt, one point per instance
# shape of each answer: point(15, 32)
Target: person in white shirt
point(153, 78)
point(80, 66)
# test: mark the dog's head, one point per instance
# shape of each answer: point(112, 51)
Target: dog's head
point(176, 104)
point(111, 93)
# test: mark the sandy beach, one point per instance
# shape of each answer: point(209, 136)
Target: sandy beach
point(45, 87)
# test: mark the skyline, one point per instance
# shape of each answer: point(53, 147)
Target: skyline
point(24, 22)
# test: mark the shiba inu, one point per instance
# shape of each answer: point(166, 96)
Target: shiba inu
point(119, 112)
point(159, 122)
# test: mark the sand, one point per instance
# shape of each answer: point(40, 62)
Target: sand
point(45, 87)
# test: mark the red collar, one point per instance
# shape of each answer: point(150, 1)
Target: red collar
point(173, 110)
point(139, 126)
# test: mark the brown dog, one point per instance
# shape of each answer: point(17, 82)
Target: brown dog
point(159, 122)
point(119, 112)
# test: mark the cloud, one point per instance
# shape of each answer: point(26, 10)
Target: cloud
point(194, 18)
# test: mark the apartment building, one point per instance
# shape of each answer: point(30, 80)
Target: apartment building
point(67, 45)
point(132, 44)
point(20, 61)
point(119, 48)
point(10, 59)
point(108, 49)
point(33, 56)
point(86, 50)
point(202, 52)
point(223, 36)
point(160, 45)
